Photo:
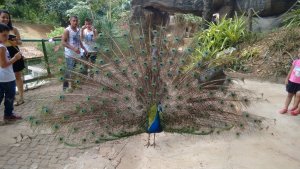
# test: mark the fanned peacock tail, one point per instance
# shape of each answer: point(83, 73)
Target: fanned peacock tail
point(148, 69)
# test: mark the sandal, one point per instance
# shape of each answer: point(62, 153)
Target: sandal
point(19, 102)
point(293, 109)
point(295, 113)
point(283, 111)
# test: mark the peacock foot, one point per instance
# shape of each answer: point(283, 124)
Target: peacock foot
point(153, 145)
point(148, 144)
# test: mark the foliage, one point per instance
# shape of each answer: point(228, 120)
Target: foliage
point(183, 19)
point(82, 10)
point(219, 36)
point(192, 19)
point(55, 11)
point(58, 31)
point(50, 12)
point(292, 19)
point(236, 61)
point(288, 43)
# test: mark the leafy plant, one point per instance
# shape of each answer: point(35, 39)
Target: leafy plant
point(82, 10)
point(292, 19)
point(192, 19)
point(58, 31)
point(187, 19)
point(219, 36)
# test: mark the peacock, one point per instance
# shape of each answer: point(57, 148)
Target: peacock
point(144, 81)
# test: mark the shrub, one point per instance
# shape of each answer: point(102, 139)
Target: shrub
point(219, 36)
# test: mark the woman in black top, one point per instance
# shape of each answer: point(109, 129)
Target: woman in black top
point(12, 47)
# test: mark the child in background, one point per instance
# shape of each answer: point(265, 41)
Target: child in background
point(88, 37)
point(7, 76)
point(293, 87)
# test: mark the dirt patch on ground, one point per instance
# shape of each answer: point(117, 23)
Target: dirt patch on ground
point(33, 30)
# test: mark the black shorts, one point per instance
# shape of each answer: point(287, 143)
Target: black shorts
point(292, 87)
point(18, 65)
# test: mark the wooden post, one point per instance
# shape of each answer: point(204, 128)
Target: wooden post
point(46, 57)
point(250, 19)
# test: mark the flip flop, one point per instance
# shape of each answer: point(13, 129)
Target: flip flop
point(293, 109)
point(295, 113)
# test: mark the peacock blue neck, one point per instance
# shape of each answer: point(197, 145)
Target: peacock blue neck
point(154, 124)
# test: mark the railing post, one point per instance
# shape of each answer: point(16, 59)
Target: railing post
point(46, 57)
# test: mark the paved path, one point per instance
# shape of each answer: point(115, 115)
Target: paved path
point(33, 151)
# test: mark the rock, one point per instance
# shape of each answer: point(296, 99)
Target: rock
point(226, 52)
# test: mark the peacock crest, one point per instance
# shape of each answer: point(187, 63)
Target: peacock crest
point(139, 77)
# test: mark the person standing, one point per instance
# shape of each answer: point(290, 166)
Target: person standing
point(72, 43)
point(7, 76)
point(12, 47)
point(88, 36)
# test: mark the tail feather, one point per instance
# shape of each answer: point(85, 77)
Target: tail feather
point(129, 79)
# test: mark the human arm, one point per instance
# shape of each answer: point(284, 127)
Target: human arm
point(289, 75)
point(3, 61)
point(95, 34)
point(82, 46)
point(65, 39)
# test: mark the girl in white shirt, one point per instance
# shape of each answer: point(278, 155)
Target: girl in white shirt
point(7, 76)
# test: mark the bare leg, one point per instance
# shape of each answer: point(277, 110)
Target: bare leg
point(148, 142)
point(296, 112)
point(20, 85)
point(296, 100)
point(288, 100)
point(287, 103)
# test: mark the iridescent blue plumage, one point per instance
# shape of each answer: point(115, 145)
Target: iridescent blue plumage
point(154, 125)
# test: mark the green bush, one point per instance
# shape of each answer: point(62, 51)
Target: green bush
point(292, 18)
point(219, 36)
point(58, 31)
point(82, 10)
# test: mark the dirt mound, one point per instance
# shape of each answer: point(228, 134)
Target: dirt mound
point(33, 30)
point(272, 54)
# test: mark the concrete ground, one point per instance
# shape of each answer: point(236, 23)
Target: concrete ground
point(275, 146)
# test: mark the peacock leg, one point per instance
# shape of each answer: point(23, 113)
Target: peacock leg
point(148, 143)
point(153, 141)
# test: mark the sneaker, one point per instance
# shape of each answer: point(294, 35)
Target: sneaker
point(295, 112)
point(12, 118)
point(283, 111)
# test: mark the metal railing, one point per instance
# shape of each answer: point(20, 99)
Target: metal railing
point(45, 56)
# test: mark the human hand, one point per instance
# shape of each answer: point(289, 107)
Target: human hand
point(83, 27)
point(77, 50)
point(286, 81)
point(18, 56)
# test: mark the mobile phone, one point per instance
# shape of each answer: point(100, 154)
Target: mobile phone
point(11, 37)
